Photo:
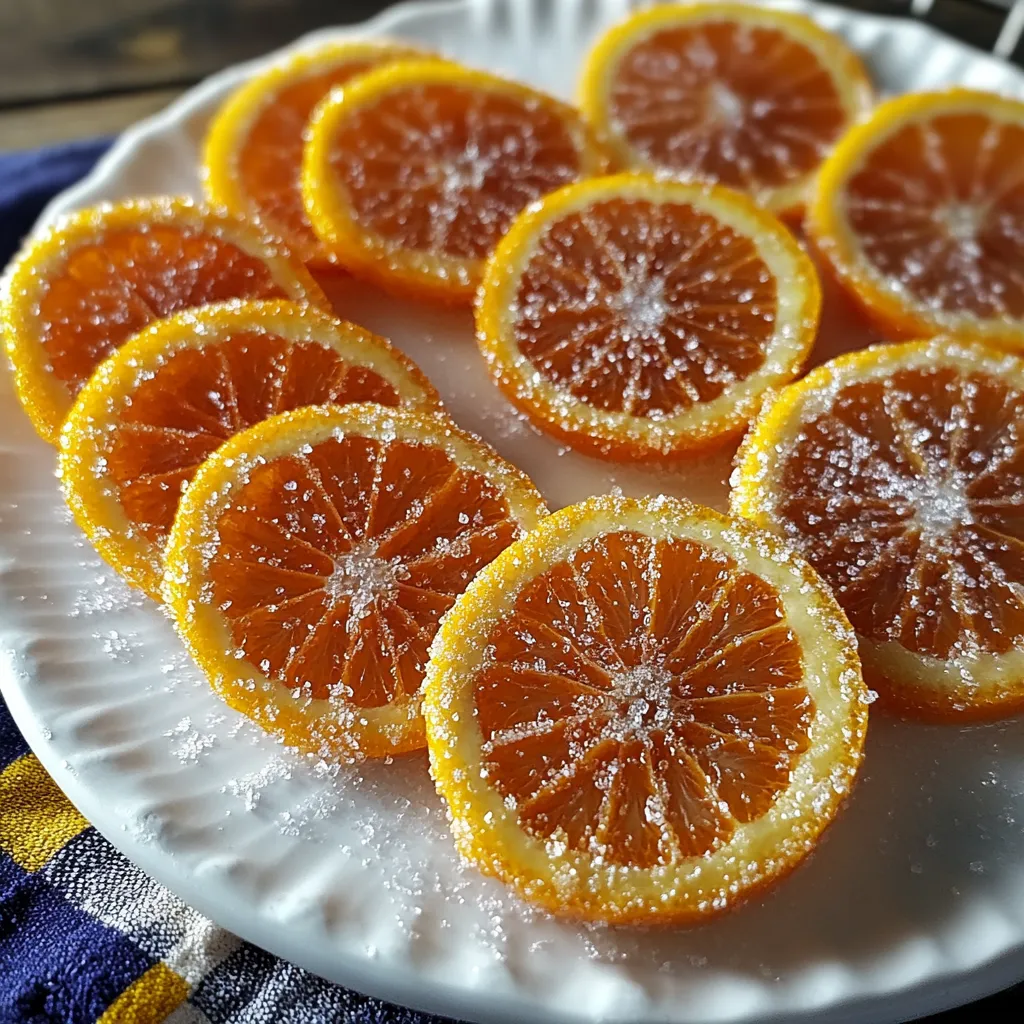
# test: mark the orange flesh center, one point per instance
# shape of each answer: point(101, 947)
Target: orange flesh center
point(938, 209)
point(111, 288)
point(749, 107)
point(644, 308)
point(445, 169)
point(642, 699)
point(200, 397)
point(908, 497)
point(334, 568)
point(270, 159)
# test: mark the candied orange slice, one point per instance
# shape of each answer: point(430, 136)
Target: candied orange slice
point(899, 472)
point(635, 317)
point(76, 293)
point(747, 96)
point(919, 212)
point(170, 396)
point(643, 711)
point(313, 556)
point(414, 171)
point(253, 154)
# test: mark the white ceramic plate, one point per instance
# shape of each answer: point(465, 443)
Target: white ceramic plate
point(914, 902)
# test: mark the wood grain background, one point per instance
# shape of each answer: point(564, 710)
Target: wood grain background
point(75, 68)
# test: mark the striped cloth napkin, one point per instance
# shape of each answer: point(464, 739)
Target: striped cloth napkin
point(85, 936)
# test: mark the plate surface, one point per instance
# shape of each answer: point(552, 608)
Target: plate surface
point(915, 900)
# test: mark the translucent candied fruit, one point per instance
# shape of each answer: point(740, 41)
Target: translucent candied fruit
point(642, 711)
point(79, 292)
point(644, 318)
point(642, 698)
point(900, 474)
point(414, 173)
point(908, 496)
point(334, 567)
point(325, 545)
point(920, 213)
point(738, 104)
point(644, 308)
point(730, 93)
point(173, 394)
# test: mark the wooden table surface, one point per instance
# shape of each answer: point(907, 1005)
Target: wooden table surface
point(79, 68)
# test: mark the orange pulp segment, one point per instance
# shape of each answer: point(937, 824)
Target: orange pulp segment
point(899, 472)
point(170, 396)
point(413, 172)
point(76, 293)
point(643, 711)
point(635, 317)
point(919, 212)
point(253, 152)
point(313, 556)
point(739, 94)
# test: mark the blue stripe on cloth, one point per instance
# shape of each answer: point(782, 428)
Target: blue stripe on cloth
point(11, 876)
point(59, 965)
point(100, 880)
point(29, 180)
point(12, 744)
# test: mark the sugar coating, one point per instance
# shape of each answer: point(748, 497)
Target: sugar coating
point(356, 546)
point(644, 308)
point(936, 218)
point(904, 490)
point(188, 742)
point(444, 168)
point(646, 703)
point(105, 593)
point(749, 106)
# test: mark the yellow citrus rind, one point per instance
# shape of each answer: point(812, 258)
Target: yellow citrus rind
point(328, 728)
point(581, 884)
point(909, 683)
point(620, 435)
point(89, 431)
point(423, 274)
point(45, 398)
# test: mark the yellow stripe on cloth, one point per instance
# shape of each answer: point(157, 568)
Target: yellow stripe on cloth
point(148, 999)
point(36, 818)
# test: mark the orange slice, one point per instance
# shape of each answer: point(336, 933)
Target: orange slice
point(253, 153)
point(919, 213)
point(743, 95)
point(413, 172)
point(638, 318)
point(75, 294)
point(643, 712)
point(899, 472)
point(313, 555)
point(169, 397)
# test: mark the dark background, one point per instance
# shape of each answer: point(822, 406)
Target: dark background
point(72, 68)
point(76, 68)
